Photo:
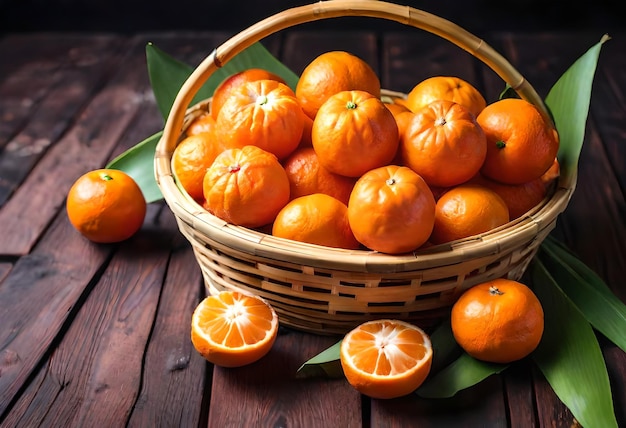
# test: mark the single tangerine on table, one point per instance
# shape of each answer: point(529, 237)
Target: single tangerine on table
point(521, 145)
point(449, 88)
point(263, 113)
point(307, 176)
point(443, 143)
point(246, 186)
point(354, 132)
point(333, 72)
point(190, 160)
point(391, 210)
point(386, 358)
point(106, 205)
point(232, 329)
point(317, 219)
point(466, 210)
point(498, 321)
point(222, 91)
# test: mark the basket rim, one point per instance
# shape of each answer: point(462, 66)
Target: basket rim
point(521, 231)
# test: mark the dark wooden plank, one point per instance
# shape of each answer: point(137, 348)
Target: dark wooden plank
point(87, 145)
point(55, 109)
point(272, 395)
point(93, 377)
point(608, 109)
point(41, 290)
point(519, 394)
point(174, 374)
point(34, 70)
point(480, 406)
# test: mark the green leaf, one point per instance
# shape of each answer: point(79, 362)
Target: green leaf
point(453, 369)
point(586, 290)
point(324, 364)
point(167, 74)
point(445, 348)
point(138, 162)
point(568, 101)
point(569, 355)
point(461, 374)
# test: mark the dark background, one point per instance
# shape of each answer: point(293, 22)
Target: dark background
point(132, 16)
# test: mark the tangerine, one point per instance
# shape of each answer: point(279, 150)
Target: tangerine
point(307, 176)
point(106, 205)
point(498, 321)
point(354, 132)
point(386, 358)
point(521, 145)
point(190, 160)
point(333, 72)
point(443, 143)
point(263, 113)
point(232, 329)
point(449, 88)
point(222, 91)
point(519, 198)
point(466, 210)
point(203, 123)
point(317, 219)
point(246, 186)
point(391, 210)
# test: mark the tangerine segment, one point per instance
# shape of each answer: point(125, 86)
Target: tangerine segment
point(386, 358)
point(232, 329)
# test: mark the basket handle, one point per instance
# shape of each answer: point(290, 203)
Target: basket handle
point(331, 9)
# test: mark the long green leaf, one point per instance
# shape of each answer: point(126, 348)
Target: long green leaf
point(138, 162)
point(167, 75)
point(324, 364)
point(461, 374)
point(568, 101)
point(587, 291)
point(445, 348)
point(569, 355)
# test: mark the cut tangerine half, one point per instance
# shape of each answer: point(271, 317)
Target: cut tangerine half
point(232, 329)
point(386, 358)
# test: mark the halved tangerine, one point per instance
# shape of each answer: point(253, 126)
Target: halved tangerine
point(232, 329)
point(386, 358)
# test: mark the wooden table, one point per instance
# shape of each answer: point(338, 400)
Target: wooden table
point(98, 335)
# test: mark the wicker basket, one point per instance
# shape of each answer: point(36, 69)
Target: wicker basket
point(325, 290)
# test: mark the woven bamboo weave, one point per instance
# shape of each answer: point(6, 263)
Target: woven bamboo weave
point(326, 290)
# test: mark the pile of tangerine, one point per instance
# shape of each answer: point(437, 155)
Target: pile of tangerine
point(332, 164)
